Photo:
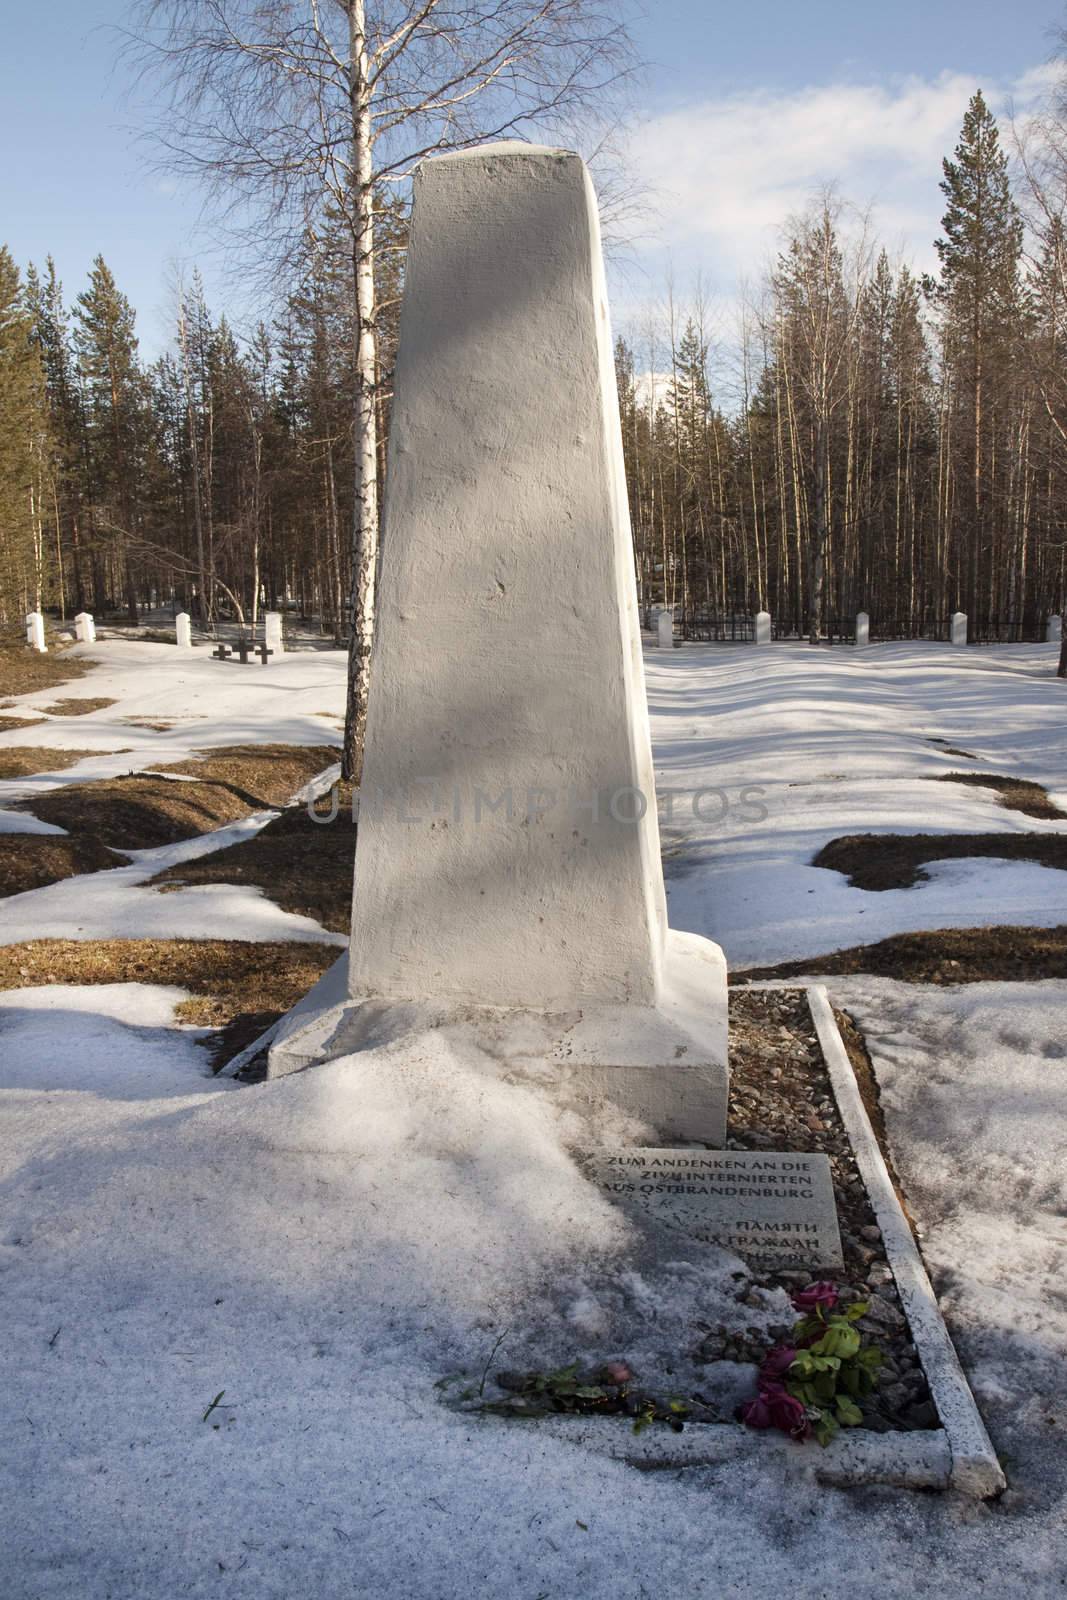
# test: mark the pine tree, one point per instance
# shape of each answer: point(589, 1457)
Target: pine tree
point(67, 423)
point(978, 296)
point(115, 419)
point(25, 448)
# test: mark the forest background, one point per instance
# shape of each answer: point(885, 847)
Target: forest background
point(860, 436)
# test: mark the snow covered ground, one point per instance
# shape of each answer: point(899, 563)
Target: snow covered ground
point(832, 742)
point(324, 1248)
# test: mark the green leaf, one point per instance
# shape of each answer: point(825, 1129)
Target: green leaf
point(849, 1415)
point(824, 1429)
point(846, 1342)
point(858, 1309)
point(826, 1385)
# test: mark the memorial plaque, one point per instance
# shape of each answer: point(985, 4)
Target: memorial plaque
point(772, 1207)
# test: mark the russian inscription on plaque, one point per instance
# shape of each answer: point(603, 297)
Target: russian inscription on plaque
point(772, 1207)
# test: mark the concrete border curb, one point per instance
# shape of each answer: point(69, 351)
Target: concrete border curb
point(974, 1467)
point(959, 1455)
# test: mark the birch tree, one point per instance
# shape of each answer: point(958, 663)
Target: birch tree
point(298, 113)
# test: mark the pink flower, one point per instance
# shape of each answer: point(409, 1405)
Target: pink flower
point(817, 1296)
point(617, 1372)
point(776, 1363)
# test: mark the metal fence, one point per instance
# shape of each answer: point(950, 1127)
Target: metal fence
point(884, 629)
point(840, 630)
point(1006, 630)
point(715, 627)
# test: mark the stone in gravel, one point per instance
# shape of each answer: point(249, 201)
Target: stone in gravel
point(881, 1315)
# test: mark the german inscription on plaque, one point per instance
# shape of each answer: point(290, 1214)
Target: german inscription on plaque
point(772, 1207)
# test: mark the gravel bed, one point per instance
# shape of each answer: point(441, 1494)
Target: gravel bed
point(781, 1099)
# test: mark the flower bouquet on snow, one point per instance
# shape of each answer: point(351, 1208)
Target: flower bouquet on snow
point(810, 1388)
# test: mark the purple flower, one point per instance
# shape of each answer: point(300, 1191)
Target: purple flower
point(776, 1363)
point(788, 1414)
point(817, 1296)
point(756, 1413)
point(774, 1408)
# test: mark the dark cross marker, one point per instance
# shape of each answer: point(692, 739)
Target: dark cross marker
point(222, 653)
point(262, 652)
point(242, 651)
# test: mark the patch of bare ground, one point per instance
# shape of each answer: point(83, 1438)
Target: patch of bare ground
point(301, 865)
point(141, 811)
point(143, 722)
point(940, 955)
point(951, 750)
point(879, 861)
point(145, 809)
point(34, 860)
point(77, 707)
point(23, 671)
point(27, 760)
point(13, 724)
point(1016, 794)
point(236, 988)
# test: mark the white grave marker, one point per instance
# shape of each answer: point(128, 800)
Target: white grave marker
point(183, 632)
point(1054, 630)
point(272, 632)
point(35, 632)
point(85, 627)
point(665, 629)
point(763, 627)
point(508, 868)
point(863, 628)
point(958, 628)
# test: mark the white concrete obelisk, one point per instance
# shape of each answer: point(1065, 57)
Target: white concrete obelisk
point(508, 847)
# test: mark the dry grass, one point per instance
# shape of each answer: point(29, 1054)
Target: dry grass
point(13, 724)
point(141, 811)
point(236, 987)
point(22, 671)
point(942, 955)
point(303, 866)
point(77, 707)
point(34, 860)
point(268, 773)
point(1016, 794)
point(896, 860)
point(27, 760)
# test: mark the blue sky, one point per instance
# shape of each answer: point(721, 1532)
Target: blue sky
point(745, 112)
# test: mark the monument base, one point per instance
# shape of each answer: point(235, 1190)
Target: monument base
point(666, 1064)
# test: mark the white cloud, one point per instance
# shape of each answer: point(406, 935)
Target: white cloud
point(724, 174)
